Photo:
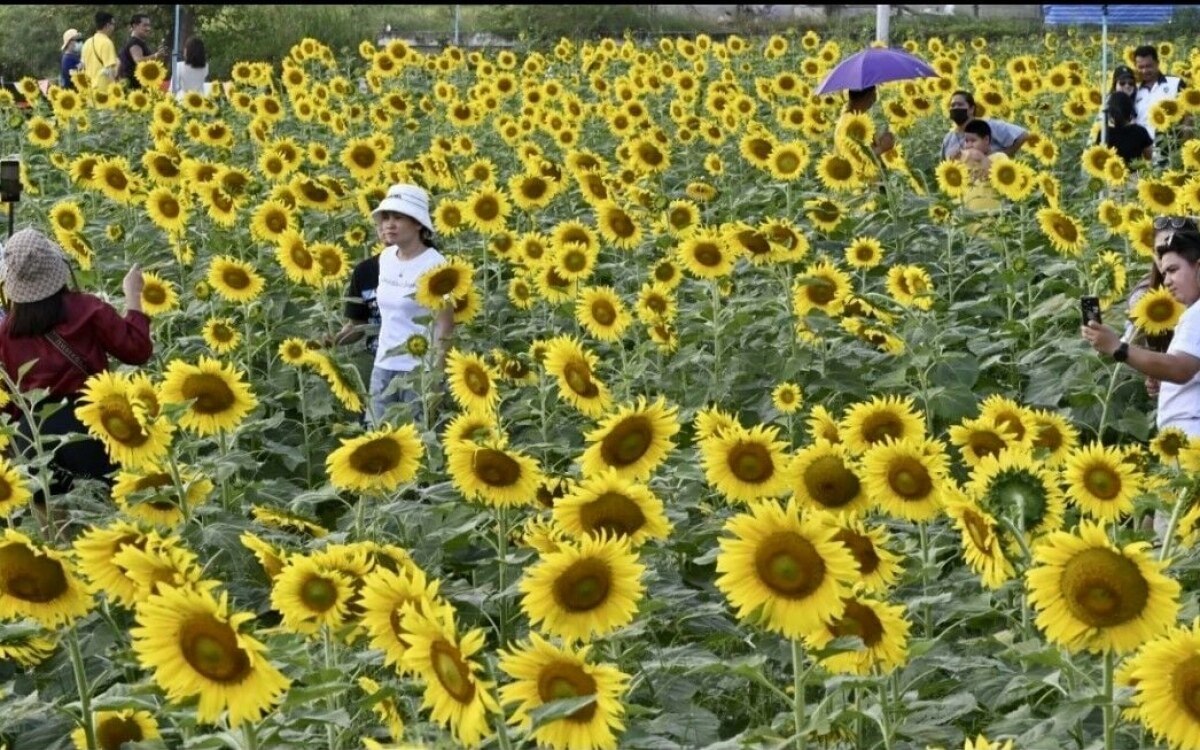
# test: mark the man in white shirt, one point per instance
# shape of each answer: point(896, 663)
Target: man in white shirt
point(1154, 86)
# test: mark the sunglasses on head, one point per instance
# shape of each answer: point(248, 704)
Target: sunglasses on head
point(1173, 222)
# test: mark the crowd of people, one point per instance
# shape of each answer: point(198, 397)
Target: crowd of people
point(99, 59)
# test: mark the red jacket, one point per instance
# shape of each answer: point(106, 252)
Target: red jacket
point(93, 329)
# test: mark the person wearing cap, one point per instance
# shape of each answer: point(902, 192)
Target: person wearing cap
point(99, 54)
point(71, 45)
point(1125, 81)
point(53, 338)
point(387, 286)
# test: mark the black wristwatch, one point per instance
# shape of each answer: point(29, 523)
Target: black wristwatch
point(1121, 353)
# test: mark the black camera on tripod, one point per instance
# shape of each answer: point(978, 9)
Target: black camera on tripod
point(10, 186)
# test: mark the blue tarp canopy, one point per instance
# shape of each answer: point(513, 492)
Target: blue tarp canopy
point(1118, 15)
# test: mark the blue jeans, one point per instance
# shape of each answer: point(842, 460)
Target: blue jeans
point(385, 392)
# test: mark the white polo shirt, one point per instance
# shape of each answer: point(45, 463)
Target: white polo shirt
point(1179, 404)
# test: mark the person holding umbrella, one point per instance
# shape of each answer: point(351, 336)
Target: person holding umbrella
point(860, 101)
point(1006, 138)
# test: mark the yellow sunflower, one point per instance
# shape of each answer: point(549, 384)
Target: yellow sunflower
point(787, 398)
point(573, 367)
point(783, 568)
point(1065, 233)
point(706, 254)
point(1017, 487)
point(221, 335)
point(821, 286)
point(14, 492)
point(112, 729)
point(864, 252)
point(870, 423)
point(111, 410)
point(906, 477)
point(310, 596)
point(150, 495)
point(472, 382)
point(378, 461)
point(981, 541)
point(1156, 312)
point(491, 473)
point(1100, 483)
point(195, 648)
point(158, 295)
point(878, 567)
point(40, 583)
point(880, 626)
point(821, 477)
point(543, 673)
point(607, 503)
point(452, 279)
point(1091, 595)
point(746, 464)
point(217, 398)
point(633, 442)
point(1162, 675)
point(978, 438)
point(385, 595)
point(234, 280)
point(602, 313)
point(454, 691)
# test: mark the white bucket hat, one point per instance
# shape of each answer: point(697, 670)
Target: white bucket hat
point(409, 200)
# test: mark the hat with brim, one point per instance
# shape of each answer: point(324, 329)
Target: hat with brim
point(409, 200)
point(34, 267)
point(69, 36)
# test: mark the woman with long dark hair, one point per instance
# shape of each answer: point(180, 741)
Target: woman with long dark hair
point(192, 71)
point(1130, 140)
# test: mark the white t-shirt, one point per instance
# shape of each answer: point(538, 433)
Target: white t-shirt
point(188, 78)
point(1179, 404)
point(398, 307)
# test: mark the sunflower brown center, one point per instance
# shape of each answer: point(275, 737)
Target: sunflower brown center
point(880, 426)
point(909, 479)
point(859, 620)
point(452, 672)
point(560, 681)
point(751, 462)
point(579, 379)
point(979, 530)
point(830, 483)
point(119, 421)
point(1103, 588)
point(364, 157)
point(477, 381)
point(301, 257)
point(583, 586)
point(1185, 682)
point(603, 312)
point(211, 393)
point(821, 291)
point(789, 565)
point(612, 512)
point(235, 278)
point(986, 443)
point(376, 457)
point(211, 648)
point(154, 294)
point(496, 468)
point(1102, 482)
point(31, 577)
point(444, 281)
point(862, 548)
point(574, 260)
point(621, 225)
point(115, 731)
point(627, 441)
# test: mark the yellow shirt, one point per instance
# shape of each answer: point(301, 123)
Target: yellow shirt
point(99, 56)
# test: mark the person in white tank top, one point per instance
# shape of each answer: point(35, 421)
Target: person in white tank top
point(192, 71)
point(406, 230)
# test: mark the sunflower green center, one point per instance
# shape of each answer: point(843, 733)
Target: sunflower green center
point(560, 681)
point(1102, 482)
point(452, 672)
point(319, 594)
point(612, 512)
point(1103, 588)
point(909, 479)
point(31, 577)
point(574, 260)
point(789, 565)
point(830, 483)
point(378, 456)
point(211, 393)
point(583, 586)
point(211, 648)
point(751, 462)
point(477, 381)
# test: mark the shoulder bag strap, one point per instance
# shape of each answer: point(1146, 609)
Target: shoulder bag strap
point(59, 343)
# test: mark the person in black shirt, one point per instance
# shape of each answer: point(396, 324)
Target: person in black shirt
point(136, 50)
point(1131, 141)
point(361, 310)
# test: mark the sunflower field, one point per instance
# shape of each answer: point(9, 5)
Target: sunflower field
point(746, 438)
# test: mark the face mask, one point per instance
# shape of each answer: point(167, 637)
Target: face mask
point(76, 46)
point(959, 116)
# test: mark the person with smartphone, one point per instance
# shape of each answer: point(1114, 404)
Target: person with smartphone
point(137, 49)
point(1177, 252)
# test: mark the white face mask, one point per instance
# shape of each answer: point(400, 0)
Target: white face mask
point(76, 45)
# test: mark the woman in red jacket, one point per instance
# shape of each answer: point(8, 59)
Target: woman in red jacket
point(68, 337)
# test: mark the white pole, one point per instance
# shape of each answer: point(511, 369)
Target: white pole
point(175, 54)
point(1103, 73)
point(883, 16)
point(456, 8)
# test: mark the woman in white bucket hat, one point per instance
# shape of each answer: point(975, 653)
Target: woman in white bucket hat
point(383, 289)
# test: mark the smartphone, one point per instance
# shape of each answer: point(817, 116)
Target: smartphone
point(1090, 307)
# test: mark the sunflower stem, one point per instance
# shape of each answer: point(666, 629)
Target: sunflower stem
point(1109, 708)
point(926, 615)
point(502, 551)
point(1169, 536)
point(177, 479)
point(251, 736)
point(85, 694)
point(885, 714)
point(327, 647)
point(716, 331)
point(1112, 384)
point(226, 490)
point(798, 675)
point(304, 424)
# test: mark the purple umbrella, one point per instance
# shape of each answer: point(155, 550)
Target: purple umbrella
point(875, 65)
